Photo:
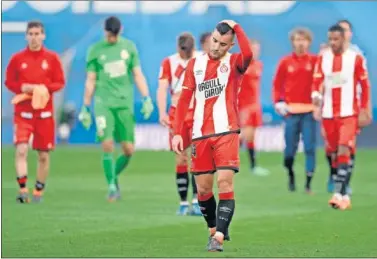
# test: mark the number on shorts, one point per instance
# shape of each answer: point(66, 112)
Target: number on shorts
point(101, 122)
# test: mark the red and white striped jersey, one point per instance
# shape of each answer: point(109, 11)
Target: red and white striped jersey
point(173, 69)
point(339, 76)
point(215, 84)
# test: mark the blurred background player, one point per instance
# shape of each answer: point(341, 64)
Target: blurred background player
point(171, 76)
point(342, 113)
point(348, 33)
point(112, 66)
point(250, 106)
point(205, 41)
point(34, 74)
point(213, 79)
point(292, 98)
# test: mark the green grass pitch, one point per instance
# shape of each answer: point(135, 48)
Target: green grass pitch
point(75, 220)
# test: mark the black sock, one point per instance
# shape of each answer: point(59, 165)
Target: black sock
point(340, 179)
point(288, 163)
point(182, 181)
point(351, 166)
point(225, 211)
point(333, 170)
point(22, 180)
point(39, 186)
point(309, 176)
point(194, 188)
point(252, 157)
point(207, 205)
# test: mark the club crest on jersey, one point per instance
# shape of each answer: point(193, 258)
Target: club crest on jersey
point(290, 69)
point(193, 150)
point(211, 88)
point(44, 65)
point(23, 65)
point(124, 54)
point(308, 67)
point(224, 68)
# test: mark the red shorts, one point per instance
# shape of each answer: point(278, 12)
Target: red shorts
point(42, 129)
point(214, 153)
point(251, 116)
point(187, 127)
point(340, 131)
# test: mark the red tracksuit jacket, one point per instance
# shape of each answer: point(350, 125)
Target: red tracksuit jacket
point(34, 67)
point(293, 79)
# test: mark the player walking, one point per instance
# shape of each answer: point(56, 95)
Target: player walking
point(171, 76)
point(213, 79)
point(291, 95)
point(250, 106)
point(34, 75)
point(347, 27)
point(339, 70)
point(112, 65)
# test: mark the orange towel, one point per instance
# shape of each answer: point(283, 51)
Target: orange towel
point(39, 98)
point(300, 107)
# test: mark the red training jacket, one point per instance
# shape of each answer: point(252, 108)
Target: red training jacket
point(34, 67)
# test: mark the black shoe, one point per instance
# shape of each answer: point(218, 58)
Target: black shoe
point(291, 183)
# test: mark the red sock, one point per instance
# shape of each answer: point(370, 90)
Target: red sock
point(343, 159)
point(226, 196)
point(22, 181)
point(180, 169)
point(205, 197)
point(250, 145)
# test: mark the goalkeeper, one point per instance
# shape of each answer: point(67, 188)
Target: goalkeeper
point(112, 66)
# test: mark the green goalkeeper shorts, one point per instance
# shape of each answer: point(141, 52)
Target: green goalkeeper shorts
point(115, 124)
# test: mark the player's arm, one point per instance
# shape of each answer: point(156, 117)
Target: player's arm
point(278, 82)
point(183, 105)
point(164, 82)
point(280, 105)
point(138, 75)
point(317, 87)
point(58, 80)
point(365, 100)
point(11, 77)
point(246, 55)
point(91, 76)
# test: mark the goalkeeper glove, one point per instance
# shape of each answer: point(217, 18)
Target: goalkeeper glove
point(147, 108)
point(85, 118)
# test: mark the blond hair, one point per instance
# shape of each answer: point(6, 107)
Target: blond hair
point(306, 33)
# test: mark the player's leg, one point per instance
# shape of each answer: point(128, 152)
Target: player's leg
point(331, 161)
point(351, 164)
point(308, 130)
point(202, 166)
point(227, 162)
point(105, 127)
point(182, 181)
point(347, 135)
point(22, 131)
point(125, 134)
point(43, 142)
point(292, 138)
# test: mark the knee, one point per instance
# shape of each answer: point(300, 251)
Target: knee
point(128, 149)
point(225, 184)
point(343, 150)
point(249, 134)
point(22, 151)
point(181, 159)
point(203, 189)
point(43, 157)
point(309, 150)
point(108, 146)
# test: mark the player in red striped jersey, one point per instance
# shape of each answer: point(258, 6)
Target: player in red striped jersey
point(213, 79)
point(339, 70)
point(250, 106)
point(171, 76)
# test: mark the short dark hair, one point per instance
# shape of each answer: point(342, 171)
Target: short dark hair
point(347, 22)
point(35, 24)
point(186, 41)
point(113, 25)
point(204, 36)
point(336, 27)
point(224, 28)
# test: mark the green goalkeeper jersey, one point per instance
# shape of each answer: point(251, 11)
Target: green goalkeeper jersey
point(113, 65)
